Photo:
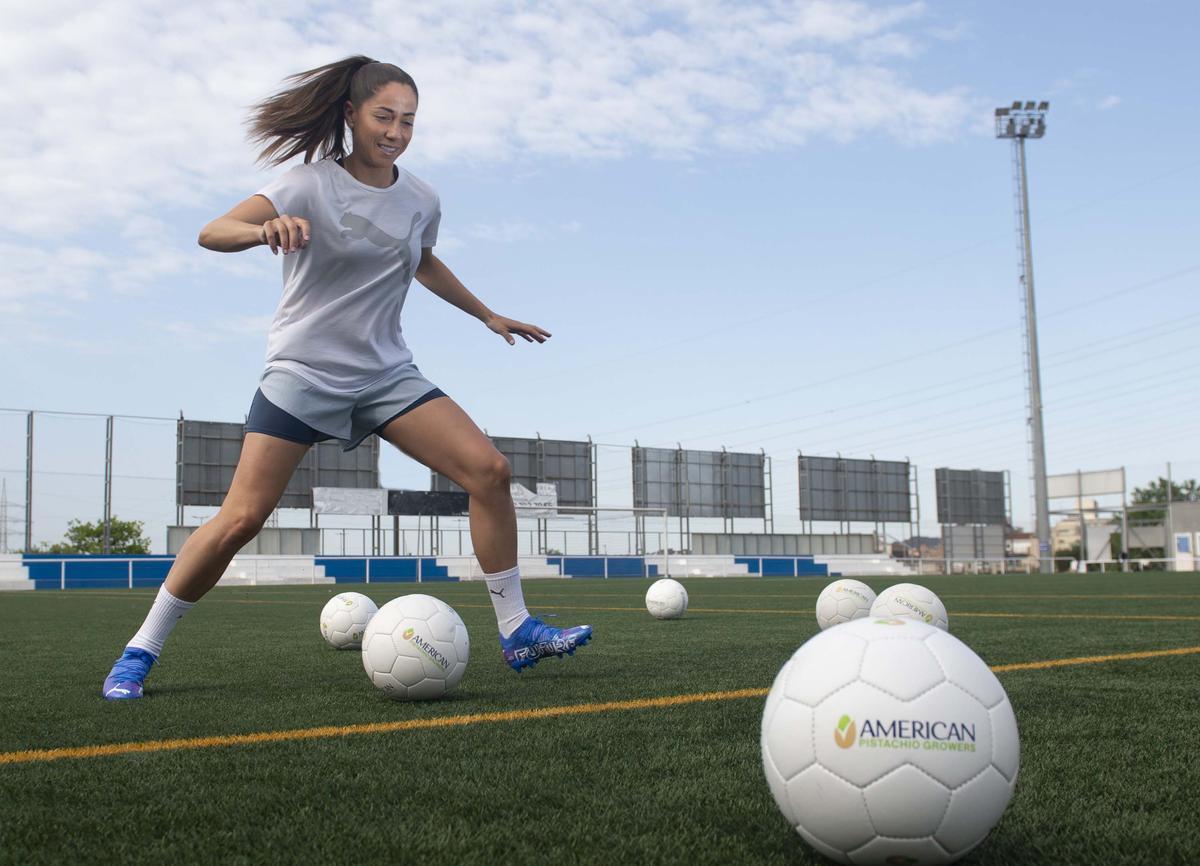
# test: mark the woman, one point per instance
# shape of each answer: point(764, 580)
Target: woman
point(354, 230)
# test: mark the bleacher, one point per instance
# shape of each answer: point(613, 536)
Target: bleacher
point(14, 576)
point(46, 571)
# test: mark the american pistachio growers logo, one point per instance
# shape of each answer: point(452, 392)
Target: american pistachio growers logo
point(925, 734)
point(921, 612)
point(433, 653)
point(845, 733)
point(849, 590)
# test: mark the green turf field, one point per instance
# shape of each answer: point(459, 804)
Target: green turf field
point(1109, 766)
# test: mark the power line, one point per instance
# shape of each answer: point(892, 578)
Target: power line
point(924, 263)
point(88, 415)
point(89, 475)
point(893, 362)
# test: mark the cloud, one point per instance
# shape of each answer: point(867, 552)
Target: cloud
point(232, 329)
point(132, 106)
point(517, 231)
point(131, 112)
point(1110, 101)
point(889, 45)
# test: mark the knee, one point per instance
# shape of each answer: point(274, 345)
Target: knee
point(491, 474)
point(240, 527)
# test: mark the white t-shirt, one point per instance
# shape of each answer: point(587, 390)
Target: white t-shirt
point(338, 322)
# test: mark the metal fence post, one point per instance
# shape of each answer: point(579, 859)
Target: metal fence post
point(62, 574)
point(131, 574)
point(418, 569)
point(368, 569)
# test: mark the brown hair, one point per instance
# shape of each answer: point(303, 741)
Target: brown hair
point(311, 116)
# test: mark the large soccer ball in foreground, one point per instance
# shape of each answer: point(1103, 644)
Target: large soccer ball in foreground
point(911, 601)
point(889, 741)
point(666, 599)
point(344, 619)
point(842, 601)
point(416, 648)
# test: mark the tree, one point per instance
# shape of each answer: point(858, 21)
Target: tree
point(1156, 492)
point(125, 536)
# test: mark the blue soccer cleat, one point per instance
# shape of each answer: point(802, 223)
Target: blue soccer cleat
point(534, 640)
point(125, 680)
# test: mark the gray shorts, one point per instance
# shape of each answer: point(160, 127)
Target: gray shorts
point(350, 417)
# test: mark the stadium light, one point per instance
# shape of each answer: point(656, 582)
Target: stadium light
point(1019, 122)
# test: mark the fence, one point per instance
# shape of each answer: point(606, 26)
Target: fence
point(1018, 565)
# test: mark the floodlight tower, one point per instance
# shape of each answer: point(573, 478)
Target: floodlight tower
point(1019, 122)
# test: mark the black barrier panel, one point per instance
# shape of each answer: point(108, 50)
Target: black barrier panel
point(699, 483)
point(563, 463)
point(208, 452)
point(424, 502)
point(967, 496)
point(873, 491)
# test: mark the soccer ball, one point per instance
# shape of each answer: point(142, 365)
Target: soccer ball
point(889, 741)
point(344, 619)
point(416, 648)
point(666, 599)
point(911, 601)
point(842, 601)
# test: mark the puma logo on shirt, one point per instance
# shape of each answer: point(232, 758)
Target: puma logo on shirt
point(361, 228)
point(354, 277)
point(358, 228)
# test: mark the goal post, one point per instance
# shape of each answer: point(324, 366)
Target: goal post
point(611, 531)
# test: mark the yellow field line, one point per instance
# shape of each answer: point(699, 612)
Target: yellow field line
point(1143, 617)
point(800, 596)
point(783, 611)
point(1081, 596)
point(1091, 660)
point(1138, 616)
point(38, 755)
point(536, 591)
point(30, 756)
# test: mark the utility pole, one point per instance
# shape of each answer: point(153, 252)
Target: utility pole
point(28, 483)
point(1019, 122)
point(108, 481)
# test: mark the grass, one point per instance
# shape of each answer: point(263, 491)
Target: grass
point(1108, 765)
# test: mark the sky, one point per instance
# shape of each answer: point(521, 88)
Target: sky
point(784, 226)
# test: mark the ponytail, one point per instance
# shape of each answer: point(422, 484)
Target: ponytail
point(311, 116)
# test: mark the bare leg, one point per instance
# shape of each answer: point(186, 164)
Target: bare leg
point(263, 472)
point(442, 436)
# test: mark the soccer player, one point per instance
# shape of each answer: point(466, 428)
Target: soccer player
point(354, 230)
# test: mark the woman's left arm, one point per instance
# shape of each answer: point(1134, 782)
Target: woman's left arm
point(433, 274)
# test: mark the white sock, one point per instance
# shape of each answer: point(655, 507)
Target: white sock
point(166, 611)
point(504, 589)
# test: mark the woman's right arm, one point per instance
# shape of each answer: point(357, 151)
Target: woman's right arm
point(253, 223)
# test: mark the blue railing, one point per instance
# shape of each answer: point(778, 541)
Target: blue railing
point(98, 571)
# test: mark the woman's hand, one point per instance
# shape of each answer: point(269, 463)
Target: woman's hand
point(286, 233)
point(507, 327)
